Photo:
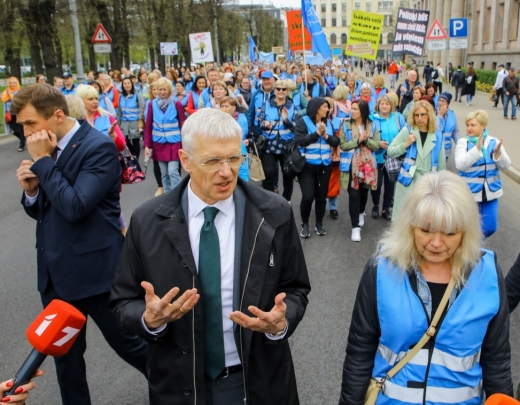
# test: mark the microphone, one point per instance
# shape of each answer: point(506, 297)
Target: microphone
point(501, 399)
point(52, 333)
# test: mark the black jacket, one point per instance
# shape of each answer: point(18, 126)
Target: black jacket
point(513, 285)
point(301, 132)
point(427, 73)
point(406, 96)
point(157, 249)
point(458, 78)
point(364, 334)
point(247, 94)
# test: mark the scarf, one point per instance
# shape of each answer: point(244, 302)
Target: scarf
point(343, 106)
point(474, 141)
point(363, 163)
point(164, 103)
point(8, 94)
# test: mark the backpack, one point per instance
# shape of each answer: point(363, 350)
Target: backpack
point(435, 74)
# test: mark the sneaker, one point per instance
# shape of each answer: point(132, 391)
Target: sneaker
point(386, 215)
point(21, 149)
point(356, 235)
point(305, 233)
point(320, 229)
point(375, 212)
point(470, 104)
point(334, 214)
point(467, 104)
point(362, 219)
point(460, 101)
point(506, 117)
point(494, 106)
point(513, 118)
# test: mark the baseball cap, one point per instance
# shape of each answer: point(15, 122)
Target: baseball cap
point(267, 74)
point(66, 75)
point(501, 65)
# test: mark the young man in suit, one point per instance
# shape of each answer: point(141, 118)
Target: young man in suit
point(71, 188)
point(213, 275)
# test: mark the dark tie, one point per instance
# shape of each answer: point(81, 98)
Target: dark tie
point(209, 275)
point(54, 154)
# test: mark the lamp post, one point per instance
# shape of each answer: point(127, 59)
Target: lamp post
point(77, 41)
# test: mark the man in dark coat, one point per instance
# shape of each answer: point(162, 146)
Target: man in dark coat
point(427, 73)
point(160, 290)
point(405, 91)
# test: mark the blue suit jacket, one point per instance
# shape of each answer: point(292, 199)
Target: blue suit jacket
point(78, 236)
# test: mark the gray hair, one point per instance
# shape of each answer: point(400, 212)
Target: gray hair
point(76, 107)
point(209, 124)
point(437, 202)
point(366, 86)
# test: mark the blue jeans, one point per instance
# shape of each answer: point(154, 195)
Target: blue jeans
point(511, 98)
point(170, 174)
point(333, 203)
point(469, 97)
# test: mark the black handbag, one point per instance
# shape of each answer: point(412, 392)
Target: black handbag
point(131, 170)
point(294, 162)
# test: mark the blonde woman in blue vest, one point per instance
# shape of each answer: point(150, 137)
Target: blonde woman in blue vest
point(479, 157)
point(421, 144)
point(129, 112)
point(433, 249)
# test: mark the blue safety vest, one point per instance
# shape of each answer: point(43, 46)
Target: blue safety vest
point(272, 114)
point(165, 126)
point(129, 108)
point(259, 99)
point(102, 123)
point(405, 177)
point(184, 100)
point(357, 91)
point(449, 371)
point(345, 157)
point(483, 170)
point(449, 126)
point(71, 92)
point(319, 152)
point(195, 94)
point(315, 89)
point(110, 94)
point(376, 96)
point(331, 80)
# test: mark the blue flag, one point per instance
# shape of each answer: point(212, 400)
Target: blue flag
point(252, 47)
point(289, 55)
point(311, 21)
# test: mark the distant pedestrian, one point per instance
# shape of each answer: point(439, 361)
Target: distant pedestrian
point(11, 126)
point(510, 88)
point(501, 75)
point(458, 81)
point(438, 76)
point(469, 86)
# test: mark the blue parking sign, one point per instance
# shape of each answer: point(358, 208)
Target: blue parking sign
point(458, 28)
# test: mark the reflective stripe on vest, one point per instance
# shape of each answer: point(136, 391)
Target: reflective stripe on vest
point(449, 371)
point(102, 124)
point(483, 170)
point(319, 152)
point(405, 178)
point(259, 103)
point(450, 123)
point(165, 126)
point(278, 127)
point(129, 108)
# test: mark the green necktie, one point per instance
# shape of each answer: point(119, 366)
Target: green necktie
point(209, 276)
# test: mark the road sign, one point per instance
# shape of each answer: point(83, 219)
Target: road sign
point(458, 28)
point(437, 45)
point(436, 31)
point(101, 35)
point(459, 43)
point(102, 48)
point(336, 51)
point(169, 48)
point(277, 49)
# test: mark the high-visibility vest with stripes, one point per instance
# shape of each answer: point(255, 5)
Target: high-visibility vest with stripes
point(448, 369)
point(102, 123)
point(129, 108)
point(165, 126)
point(483, 170)
point(273, 115)
point(345, 157)
point(450, 123)
point(319, 152)
point(405, 178)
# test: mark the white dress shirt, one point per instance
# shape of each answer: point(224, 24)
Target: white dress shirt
point(62, 143)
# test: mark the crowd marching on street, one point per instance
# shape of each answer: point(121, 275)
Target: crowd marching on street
point(226, 146)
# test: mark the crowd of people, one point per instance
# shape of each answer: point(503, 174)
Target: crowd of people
point(326, 128)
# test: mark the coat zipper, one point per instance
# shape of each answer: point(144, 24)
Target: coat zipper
point(241, 302)
point(193, 338)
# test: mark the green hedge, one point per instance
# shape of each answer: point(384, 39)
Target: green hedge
point(485, 76)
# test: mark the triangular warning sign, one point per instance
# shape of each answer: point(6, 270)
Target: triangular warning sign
point(436, 31)
point(101, 35)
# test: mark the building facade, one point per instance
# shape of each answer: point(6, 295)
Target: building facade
point(493, 31)
point(336, 15)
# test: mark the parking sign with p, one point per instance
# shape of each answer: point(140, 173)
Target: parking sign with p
point(458, 27)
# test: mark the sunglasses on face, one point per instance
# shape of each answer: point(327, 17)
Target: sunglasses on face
point(281, 89)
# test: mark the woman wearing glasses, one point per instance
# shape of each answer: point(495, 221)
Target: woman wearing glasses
point(422, 144)
point(278, 126)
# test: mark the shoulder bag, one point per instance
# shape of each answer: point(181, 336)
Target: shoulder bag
point(256, 171)
point(375, 386)
point(393, 165)
point(131, 170)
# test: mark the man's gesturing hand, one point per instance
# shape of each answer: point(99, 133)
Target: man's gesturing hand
point(27, 179)
point(41, 143)
point(160, 311)
point(266, 322)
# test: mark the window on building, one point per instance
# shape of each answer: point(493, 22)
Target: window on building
point(333, 22)
point(482, 64)
point(334, 7)
point(369, 6)
point(333, 39)
point(344, 22)
point(387, 20)
point(323, 8)
point(343, 6)
point(343, 39)
point(323, 22)
point(357, 6)
point(381, 39)
point(390, 38)
point(385, 5)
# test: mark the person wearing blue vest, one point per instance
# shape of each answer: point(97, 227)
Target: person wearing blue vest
point(433, 249)
point(366, 94)
point(449, 126)
point(199, 84)
point(378, 88)
point(131, 108)
point(312, 88)
point(404, 91)
point(180, 93)
point(430, 91)
point(314, 135)
point(278, 126)
point(152, 94)
point(479, 157)
point(256, 112)
point(389, 122)
point(299, 100)
point(359, 138)
point(417, 93)
point(162, 133)
point(330, 79)
point(422, 144)
point(354, 88)
point(69, 88)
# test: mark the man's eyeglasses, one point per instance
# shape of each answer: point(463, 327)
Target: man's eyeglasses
point(281, 89)
point(214, 164)
point(422, 115)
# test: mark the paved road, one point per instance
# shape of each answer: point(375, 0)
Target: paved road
point(335, 265)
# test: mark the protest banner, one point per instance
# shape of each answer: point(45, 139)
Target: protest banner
point(411, 31)
point(365, 31)
point(201, 47)
point(294, 31)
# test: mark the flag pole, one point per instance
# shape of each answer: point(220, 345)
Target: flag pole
point(303, 50)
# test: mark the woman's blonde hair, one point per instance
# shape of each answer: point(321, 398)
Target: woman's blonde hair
point(432, 119)
point(87, 92)
point(291, 85)
point(152, 77)
point(76, 107)
point(481, 116)
point(153, 85)
point(379, 81)
point(219, 83)
point(394, 98)
point(281, 83)
point(438, 202)
point(340, 93)
point(388, 99)
point(163, 81)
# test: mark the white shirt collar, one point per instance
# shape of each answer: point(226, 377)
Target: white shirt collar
point(196, 205)
point(63, 142)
